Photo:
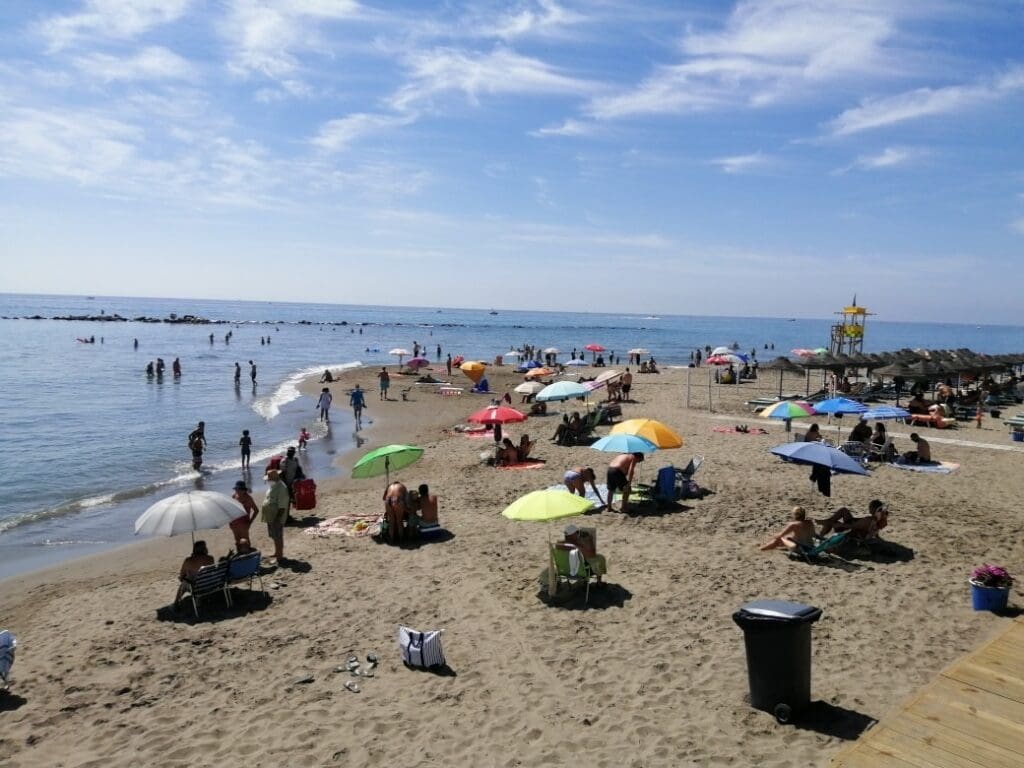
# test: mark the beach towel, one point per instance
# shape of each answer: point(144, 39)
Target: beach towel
point(574, 562)
point(937, 468)
point(602, 488)
point(355, 525)
point(733, 430)
point(528, 464)
point(7, 645)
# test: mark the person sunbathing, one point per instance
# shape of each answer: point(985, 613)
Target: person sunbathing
point(199, 558)
point(525, 446)
point(507, 454)
point(575, 480)
point(799, 532)
point(923, 454)
point(861, 527)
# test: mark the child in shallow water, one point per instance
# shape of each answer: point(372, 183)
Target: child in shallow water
point(303, 437)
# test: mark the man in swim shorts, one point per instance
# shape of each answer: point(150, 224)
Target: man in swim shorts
point(358, 402)
point(385, 382)
point(575, 480)
point(620, 477)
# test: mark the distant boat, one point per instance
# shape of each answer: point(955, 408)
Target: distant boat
point(493, 312)
point(91, 298)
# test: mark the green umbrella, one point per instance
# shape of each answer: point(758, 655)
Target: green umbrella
point(547, 505)
point(381, 461)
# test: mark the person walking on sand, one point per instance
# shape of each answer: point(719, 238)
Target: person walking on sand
point(241, 524)
point(385, 382)
point(252, 372)
point(324, 404)
point(357, 400)
point(620, 477)
point(448, 364)
point(275, 511)
point(245, 444)
point(626, 384)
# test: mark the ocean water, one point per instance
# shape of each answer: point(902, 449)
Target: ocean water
point(90, 442)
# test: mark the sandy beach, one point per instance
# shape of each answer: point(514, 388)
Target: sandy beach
point(651, 673)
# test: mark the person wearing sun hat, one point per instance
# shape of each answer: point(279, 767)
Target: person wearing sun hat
point(275, 511)
point(241, 524)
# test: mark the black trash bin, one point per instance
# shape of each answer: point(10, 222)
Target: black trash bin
point(778, 639)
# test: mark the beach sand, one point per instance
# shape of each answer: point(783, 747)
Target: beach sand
point(652, 673)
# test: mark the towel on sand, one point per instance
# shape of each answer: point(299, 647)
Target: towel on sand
point(354, 524)
point(936, 468)
point(528, 464)
point(733, 430)
point(602, 488)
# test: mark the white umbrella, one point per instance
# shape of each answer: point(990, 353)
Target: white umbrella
point(188, 511)
point(399, 353)
point(721, 351)
point(577, 362)
point(512, 353)
point(562, 390)
point(551, 351)
point(608, 376)
point(638, 351)
point(529, 388)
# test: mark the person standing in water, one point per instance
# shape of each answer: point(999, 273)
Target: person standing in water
point(324, 405)
point(252, 372)
point(245, 443)
point(238, 374)
point(176, 368)
point(357, 400)
point(196, 443)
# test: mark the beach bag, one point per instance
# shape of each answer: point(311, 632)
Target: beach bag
point(421, 650)
point(305, 494)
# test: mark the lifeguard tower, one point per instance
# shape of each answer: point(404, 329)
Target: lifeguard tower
point(848, 333)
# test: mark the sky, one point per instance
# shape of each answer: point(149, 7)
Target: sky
point(759, 158)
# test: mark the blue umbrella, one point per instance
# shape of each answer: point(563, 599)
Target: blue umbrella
point(562, 390)
point(839, 405)
point(578, 361)
point(883, 412)
point(531, 364)
point(624, 444)
point(819, 454)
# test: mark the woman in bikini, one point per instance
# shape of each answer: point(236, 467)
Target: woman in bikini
point(395, 510)
point(575, 480)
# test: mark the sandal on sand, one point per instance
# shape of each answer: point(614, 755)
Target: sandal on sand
point(352, 663)
point(372, 658)
point(352, 685)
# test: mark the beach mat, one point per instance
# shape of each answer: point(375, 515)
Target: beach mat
point(939, 468)
point(530, 464)
point(354, 525)
point(602, 488)
point(733, 430)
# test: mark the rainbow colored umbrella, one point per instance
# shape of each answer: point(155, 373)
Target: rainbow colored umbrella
point(788, 409)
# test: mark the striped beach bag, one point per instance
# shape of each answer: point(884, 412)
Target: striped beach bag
point(421, 649)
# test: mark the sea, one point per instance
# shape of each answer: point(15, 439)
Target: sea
point(90, 441)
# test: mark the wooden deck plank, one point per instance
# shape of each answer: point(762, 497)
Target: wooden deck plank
point(970, 715)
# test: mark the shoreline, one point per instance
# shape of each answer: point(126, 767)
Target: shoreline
point(657, 630)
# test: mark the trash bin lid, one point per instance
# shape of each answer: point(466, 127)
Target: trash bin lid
point(777, 611)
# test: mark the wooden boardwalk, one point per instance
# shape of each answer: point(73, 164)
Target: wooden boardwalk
point(970, 716)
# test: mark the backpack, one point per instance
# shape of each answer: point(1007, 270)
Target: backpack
point(421, 649)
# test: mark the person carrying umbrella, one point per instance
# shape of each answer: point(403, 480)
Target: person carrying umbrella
point(275, 511)
point(620, 477)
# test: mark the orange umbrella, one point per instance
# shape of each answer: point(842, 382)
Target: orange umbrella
point(474, 370)
point(536, 373)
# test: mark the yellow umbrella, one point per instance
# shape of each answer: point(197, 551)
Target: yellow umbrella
point(659, 434)
point(544, 507)
point(473, 369)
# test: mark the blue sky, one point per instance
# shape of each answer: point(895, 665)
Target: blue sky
point(754, 158)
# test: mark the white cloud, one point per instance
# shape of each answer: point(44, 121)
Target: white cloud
point(337, 135)
point(545, 17)
point(502, 71)
point(115, 19)
point(887, 158)
point(264, 37)
point(924, 102)
point(153, 63)
point(767, 51)
point(567, 128)
point(742, 163)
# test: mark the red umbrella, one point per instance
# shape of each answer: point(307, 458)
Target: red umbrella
point(594, 348)
point(497, 414)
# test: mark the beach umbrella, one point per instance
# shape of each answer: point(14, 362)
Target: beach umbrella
point(533, 364)
point(496, 414)
point(649, 429)
point(381, 461)
point(819, 454)
point(638, 351)
point(512, 354)
point(728, 359)
point(473, 369)
point(399, 353)
point(606, 376)
point(721, 351)
point(788, 409)
point(883, 412)
point(188, 511)
point(538, 373)
point(529, 388)
point(782, 365)
point(576, 362)
point(562, 390)
point(594, 348)
point(801, 352)
point(417, 362)
point(546, 506)
point(839, 405)
point(551, 351)
point(624, 444)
